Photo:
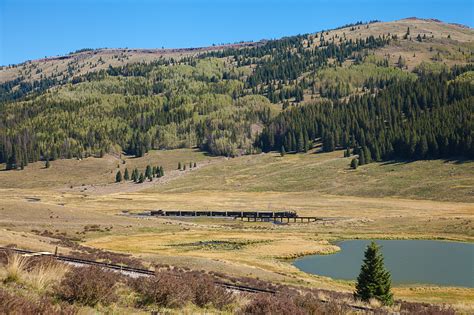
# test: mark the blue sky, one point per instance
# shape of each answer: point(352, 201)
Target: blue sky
point(31, 29)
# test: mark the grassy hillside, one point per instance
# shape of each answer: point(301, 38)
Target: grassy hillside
point(329, 173)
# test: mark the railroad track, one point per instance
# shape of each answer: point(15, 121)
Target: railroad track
point(128, 270)
point(148, 273)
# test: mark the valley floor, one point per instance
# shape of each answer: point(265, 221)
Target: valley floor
point(78, 200)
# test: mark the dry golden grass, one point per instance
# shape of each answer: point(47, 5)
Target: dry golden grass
point(15, 268)
point(43, 276)
point(414, 52)
point(93, 171)
point(425, 199)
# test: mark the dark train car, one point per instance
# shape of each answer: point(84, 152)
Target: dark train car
point(157, 212)
point(286, 214)
point(234, 213)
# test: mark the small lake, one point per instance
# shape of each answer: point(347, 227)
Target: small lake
point(409, 262)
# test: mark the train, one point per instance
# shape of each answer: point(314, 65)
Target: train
point(234, 214)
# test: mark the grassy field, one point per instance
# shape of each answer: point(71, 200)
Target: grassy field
point(424, 199)
point(329, 173)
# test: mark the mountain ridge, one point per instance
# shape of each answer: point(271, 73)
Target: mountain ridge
point(10, 72)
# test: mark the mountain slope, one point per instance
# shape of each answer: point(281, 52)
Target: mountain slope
point(221, 99)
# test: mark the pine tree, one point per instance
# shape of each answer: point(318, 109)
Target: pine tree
point(347, 153)
point(374, 281)
point(300, 147)
point(195, 164)
point(367, 155)
point(190, 165)
point(126, 176)
point(282, 151)
point(135, 175)
point(118, 177)
point(148, 172)
point(141, 178)
point(354, 163)
point(179, 165)
point(361, 157)
point(47, 164)
point(328, 143)
point(162, 172)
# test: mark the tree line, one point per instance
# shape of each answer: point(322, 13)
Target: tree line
point(428, 118)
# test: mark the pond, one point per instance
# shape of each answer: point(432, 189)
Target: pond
point(409, 262)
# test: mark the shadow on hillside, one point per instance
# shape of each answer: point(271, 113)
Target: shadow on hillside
point(454, 160)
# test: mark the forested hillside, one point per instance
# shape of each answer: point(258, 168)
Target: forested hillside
point(289, 94)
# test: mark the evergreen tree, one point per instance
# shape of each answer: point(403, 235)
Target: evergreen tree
point(148, 172)
point(141, 178)
point(300, 147)
point(179, 165)
point(126, 176)
point(367, 155)
point(118, 177)
point(347, 153)
point(162, 172)
point(362, 157)
point(195, 164)
point(328, 143)
point(184, 167)
point(282, 151)
point(190, 165)
point(135, 175)
point(354, 163)
point(47, 164)
point(374, 281)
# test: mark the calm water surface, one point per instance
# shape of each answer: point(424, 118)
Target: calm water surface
point(409, 261)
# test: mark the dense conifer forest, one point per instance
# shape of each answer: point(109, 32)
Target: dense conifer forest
point(426, 118)
point(288, 95)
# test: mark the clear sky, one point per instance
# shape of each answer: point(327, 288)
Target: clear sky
point(31, 29)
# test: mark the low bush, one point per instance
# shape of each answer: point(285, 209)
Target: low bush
point(88, 286)
point(16, 304)
point(425, 308)
point(206, 292)
point(175, 289)
point(263, 304)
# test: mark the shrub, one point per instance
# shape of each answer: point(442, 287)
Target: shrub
point(88, 286)
point(206, 292)
point(166, 289)
point(267, 304)
point(175, 289)
point(425, 308)
point(309, 303)
point(16, 304)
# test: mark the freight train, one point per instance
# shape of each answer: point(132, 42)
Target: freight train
point(233, 214)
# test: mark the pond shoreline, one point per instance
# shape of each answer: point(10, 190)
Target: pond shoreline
point(437, 272)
